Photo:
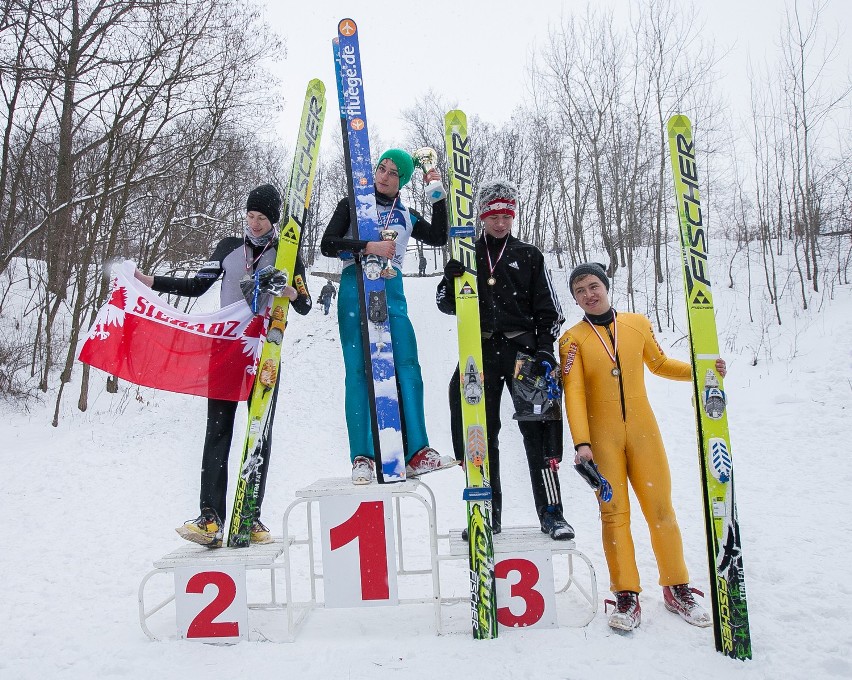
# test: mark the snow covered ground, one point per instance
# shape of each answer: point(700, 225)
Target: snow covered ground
point(92, 503)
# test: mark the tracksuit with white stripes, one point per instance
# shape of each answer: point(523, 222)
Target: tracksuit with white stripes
point(518, 313)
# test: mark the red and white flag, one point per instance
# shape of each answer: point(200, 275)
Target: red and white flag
point(140, 338)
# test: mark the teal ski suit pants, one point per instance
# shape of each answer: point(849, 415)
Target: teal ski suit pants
point(407, 367)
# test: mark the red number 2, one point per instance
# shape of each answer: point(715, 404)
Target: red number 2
point(203, 625)
point(368, 526)
point(533, 600)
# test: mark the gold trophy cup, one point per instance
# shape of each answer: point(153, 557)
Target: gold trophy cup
point(388, 235)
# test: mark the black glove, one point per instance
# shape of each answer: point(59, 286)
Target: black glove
point(267, 281)
point(542, 357)
point(589, 471)
point(453, 269)
point(272, 280)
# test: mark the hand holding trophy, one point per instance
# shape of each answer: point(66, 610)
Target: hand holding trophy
point(426, 159)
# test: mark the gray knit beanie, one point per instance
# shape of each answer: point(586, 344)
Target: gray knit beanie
point(588, 269)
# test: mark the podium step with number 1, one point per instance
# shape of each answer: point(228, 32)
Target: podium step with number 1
point(362, 545)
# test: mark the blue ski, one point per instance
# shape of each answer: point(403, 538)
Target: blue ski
point(386, 422)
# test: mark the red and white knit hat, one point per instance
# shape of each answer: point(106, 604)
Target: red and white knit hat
point(497, 197)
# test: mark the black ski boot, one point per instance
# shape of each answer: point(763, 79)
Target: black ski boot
point(553, 523)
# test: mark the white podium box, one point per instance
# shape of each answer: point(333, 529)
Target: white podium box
point(217, 575)
point(211, 604)
point(527, 584)
point(362, 545)
point(349, 548)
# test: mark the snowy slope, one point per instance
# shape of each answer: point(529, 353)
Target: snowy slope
point(93, 502)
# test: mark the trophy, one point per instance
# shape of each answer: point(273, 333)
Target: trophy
point(376, 266)
point(388, 235)
point(426, 159)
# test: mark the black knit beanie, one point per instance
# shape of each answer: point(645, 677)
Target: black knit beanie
point(265, 199)
point(588, 269)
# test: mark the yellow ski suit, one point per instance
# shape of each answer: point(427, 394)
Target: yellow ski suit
point(612, 414)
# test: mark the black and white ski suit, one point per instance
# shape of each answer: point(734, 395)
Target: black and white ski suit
point(519, 313)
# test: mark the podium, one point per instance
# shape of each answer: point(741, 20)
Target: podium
point(526, 557)
point(372, 515)
point(374, 545)
point(221, 569)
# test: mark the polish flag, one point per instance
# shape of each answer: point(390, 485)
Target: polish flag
point(140, 338)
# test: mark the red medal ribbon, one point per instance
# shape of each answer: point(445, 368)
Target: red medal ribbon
point(613, 355)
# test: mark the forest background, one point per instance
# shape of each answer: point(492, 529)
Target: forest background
point(134, 128)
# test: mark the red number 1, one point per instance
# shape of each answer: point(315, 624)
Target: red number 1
point(368, 526)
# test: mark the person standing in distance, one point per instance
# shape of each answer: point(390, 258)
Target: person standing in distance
point(327, 294)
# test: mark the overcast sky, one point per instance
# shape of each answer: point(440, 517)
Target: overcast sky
point(475, 53)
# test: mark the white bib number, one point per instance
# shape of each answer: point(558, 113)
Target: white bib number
point(525, 590)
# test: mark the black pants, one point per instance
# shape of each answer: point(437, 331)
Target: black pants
point(217, 446)
point(542, 438)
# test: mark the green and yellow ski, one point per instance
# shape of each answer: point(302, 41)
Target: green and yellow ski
point(472, 394)
point(295, 211)
point(724, 551)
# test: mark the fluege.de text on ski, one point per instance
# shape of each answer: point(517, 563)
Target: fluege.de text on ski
point(354, 98)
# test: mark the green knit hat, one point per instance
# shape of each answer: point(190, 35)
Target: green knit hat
point(404, 164)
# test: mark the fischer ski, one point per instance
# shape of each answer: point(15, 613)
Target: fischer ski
point(477, 492)
point(385, 417)
point(295, 211)
point(724, 550)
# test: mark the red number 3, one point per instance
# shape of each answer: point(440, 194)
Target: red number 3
point(203, 625)
point(524, 588)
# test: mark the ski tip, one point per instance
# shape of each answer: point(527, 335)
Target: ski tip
point(347, 27)
point(679, 122)
point(455, 118)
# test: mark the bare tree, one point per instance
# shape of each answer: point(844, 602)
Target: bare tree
point(117, 114)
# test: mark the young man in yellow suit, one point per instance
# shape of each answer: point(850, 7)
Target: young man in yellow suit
point(611, 422)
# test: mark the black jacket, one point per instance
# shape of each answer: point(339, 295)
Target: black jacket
point(522, 301)
point(334, 241)
point(328, 292)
